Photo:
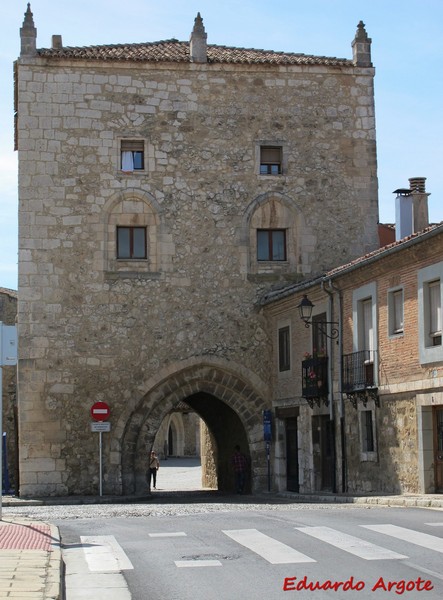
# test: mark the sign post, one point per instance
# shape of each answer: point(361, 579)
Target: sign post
point(100, 412)
point(8, 357)
point(267, 435)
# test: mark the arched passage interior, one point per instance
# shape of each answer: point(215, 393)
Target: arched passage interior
point(231, 408)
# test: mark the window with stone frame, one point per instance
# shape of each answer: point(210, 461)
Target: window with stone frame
point(395, 312)
point(434, 311)
point(367, 430)
point(270, 160)
point(131, 243)
point(284, 349)
point(430, 301)
point(132, 155)
point(271, 244)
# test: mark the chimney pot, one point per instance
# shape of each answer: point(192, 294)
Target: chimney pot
point(57, 41)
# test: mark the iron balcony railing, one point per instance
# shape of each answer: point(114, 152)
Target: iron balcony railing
point(358, 371)
point(315, 377)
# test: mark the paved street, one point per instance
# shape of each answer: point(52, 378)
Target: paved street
point(186, 544)
point(250, 551)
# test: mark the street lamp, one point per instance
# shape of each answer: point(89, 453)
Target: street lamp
point(305, 311)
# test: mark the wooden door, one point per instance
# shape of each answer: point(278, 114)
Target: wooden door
point(438, 447)
point(292, 484)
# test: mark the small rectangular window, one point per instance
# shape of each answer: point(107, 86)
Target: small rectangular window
point(271, 244)
point(132, 155)
point(367, 431)
point(270, 160)
point(395, 312)
point(319, 340)
point(284, 349)
point(131, 243)
point(434, 296)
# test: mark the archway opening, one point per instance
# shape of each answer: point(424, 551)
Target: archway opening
point(231, 410)
point(225, 431)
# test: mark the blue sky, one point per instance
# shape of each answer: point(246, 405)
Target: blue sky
point(407, 52)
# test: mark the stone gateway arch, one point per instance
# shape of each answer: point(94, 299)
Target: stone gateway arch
point(231, 407)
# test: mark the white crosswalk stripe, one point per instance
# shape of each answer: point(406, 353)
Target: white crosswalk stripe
point(351, 544)
point(104, 554)
point(409, 535)
point(276, 552)
point(268, 548)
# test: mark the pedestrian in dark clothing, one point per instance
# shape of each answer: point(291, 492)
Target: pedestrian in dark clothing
point(154, 466)
point(240, 466)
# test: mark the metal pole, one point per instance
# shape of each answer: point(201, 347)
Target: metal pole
point(268, 456)
point(100, 461)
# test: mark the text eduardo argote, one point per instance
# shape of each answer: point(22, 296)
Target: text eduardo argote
point(297, 584)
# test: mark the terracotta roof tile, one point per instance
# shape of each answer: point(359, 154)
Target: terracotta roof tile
point(175, 51)
point(8, 292)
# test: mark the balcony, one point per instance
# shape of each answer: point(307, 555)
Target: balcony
point(315, 380)
point(358, 377)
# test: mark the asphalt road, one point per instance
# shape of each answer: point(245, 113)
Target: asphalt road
point(184, 544)
point(238, 551)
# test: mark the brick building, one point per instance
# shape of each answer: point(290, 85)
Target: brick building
point(360, 410)
point(163, 188)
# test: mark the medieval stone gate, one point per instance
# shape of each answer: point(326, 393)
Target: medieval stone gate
point(230, 407)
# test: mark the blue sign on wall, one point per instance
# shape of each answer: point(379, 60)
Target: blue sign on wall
point(267, 425)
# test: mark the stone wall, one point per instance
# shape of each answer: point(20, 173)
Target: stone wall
point(96, 328)
point(8, 315)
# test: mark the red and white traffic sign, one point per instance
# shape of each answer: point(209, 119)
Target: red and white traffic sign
point(100, 411)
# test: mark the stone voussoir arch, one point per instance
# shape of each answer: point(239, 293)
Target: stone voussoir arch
point(216, 380)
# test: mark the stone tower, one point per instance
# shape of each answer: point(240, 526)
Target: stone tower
point(163, 188)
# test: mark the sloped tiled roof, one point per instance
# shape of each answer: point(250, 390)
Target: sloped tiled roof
point(175, 51)
point(8, 292)
point(361, 261)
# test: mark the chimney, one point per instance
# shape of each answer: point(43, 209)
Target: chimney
point(403, 214)
point(419, 203)
point(57, 43)
point(411, 208)
point(198, 45)
point(361, 47)
point(28, 35)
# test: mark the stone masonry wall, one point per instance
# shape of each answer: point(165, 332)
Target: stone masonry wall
point(8, 315)
point(92, 328)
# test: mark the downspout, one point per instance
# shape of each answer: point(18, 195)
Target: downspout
point(341, 412)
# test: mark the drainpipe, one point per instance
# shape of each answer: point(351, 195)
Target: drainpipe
point(341, 412)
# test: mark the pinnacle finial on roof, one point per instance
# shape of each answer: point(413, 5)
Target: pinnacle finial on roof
point(28, 34)
point(361, 46)
point(198, 45)
point(361, 34)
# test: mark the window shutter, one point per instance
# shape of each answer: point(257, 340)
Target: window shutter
point(132, 145)
point(271, 155)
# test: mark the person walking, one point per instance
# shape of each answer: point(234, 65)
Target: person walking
point(240, 466)
point(154, 465)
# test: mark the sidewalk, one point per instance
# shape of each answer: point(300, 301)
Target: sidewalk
point(31, 565)
point(30, 560)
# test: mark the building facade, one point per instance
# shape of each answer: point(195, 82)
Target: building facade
point(163, 188)
point(358, 392)
point(9, 437)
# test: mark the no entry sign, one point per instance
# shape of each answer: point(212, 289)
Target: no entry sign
point(100, 411)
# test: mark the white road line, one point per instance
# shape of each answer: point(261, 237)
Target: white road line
point(198, 563)
point(172, 534)
point(271, 550)
point(103, 553)
point(409, 535)
point(435, 524)
point(351, 544)
point(81, 583)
